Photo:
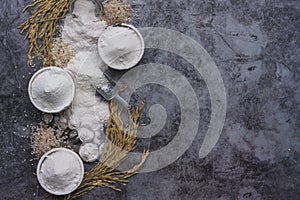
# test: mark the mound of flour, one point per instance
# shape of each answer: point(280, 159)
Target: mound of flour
point(88, 111)
point(82, 28)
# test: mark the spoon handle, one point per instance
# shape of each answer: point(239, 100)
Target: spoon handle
point(122, 101)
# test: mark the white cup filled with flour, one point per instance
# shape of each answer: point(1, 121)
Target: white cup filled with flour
point(121, 46)
point(60, 171)
point(51, 89)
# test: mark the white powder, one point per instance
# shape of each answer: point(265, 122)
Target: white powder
point(89, 152)
point(82, 29)
point(120, 47)
point(51, 90)
point(60, 172)
point(86, 135)
point(88, 111)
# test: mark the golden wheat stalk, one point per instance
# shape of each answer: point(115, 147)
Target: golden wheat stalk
point(119, 142)
point(41, 27)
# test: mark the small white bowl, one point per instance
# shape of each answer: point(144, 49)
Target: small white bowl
point(46, 79)
point(62, 191)
point(110, 63)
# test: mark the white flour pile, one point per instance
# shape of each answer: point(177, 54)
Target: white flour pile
point(89, 152)
point(88, 112)
point(82, 28)
point(120, 47)
point(51, 90)
point(60, 172)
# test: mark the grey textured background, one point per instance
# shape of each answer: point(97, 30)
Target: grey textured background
point(254, 43)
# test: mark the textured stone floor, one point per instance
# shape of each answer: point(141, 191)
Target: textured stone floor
point(255, 45)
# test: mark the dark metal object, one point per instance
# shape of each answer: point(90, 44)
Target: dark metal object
point(110, 90)
point(98, 7)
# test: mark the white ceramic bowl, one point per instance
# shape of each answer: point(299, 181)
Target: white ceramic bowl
point(47, 79)
point(133, 62)
point(62, 191)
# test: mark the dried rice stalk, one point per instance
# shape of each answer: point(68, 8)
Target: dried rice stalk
point(61, 53)
point(115, 12)
point(41, 27)
point(118, 144)
point(44, 139)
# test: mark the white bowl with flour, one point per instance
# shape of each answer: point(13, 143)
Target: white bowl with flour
point(60, 171)
point(121, 46)
point(51, 89)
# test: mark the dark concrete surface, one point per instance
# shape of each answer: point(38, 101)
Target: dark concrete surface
point(254, 43)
